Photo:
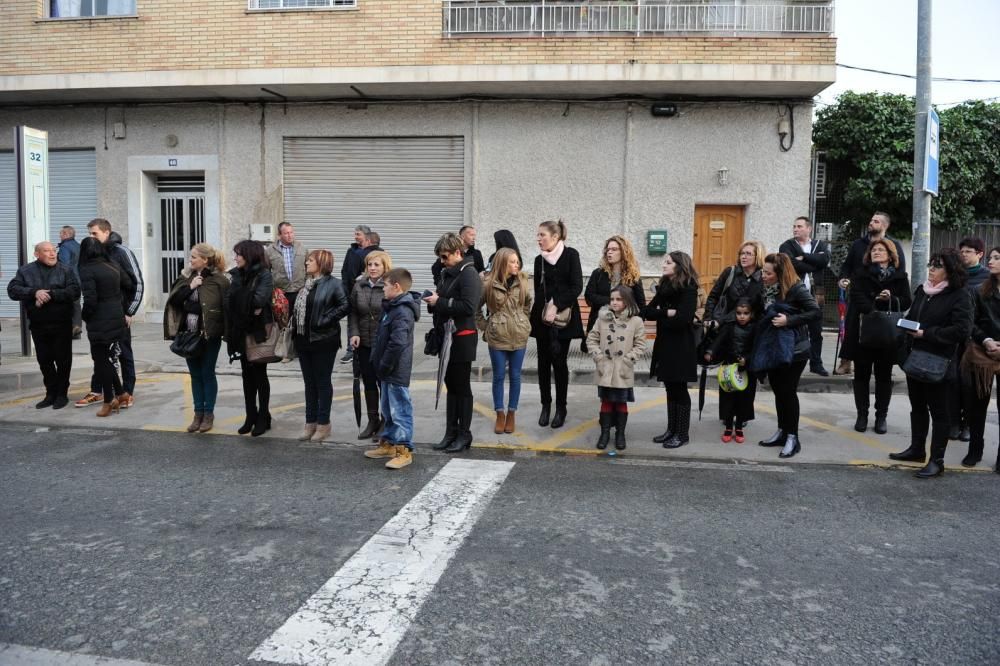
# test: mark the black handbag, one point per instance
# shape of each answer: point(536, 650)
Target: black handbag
point(925, 366)
point(188, 344)
point(879, 330)
point(432, 342)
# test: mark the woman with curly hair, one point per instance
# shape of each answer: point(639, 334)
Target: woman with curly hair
point(618, 267)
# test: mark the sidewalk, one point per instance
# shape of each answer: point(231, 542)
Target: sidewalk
point(163, 403)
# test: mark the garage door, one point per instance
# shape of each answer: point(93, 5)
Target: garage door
point(409, 190)
point(72, 201)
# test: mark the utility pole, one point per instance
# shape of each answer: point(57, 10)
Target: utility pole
point(921, 198)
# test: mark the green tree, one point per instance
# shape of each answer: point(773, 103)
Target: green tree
point(868, 140)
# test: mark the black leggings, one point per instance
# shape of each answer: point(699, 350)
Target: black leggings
point(785, 385)
point(928, 411)
point(976, 407)
point(105, 369)
point(256, 387)
point(458, 378)
point(677, 393)
point(549, 364)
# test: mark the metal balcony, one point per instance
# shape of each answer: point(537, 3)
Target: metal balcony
point(547, 18)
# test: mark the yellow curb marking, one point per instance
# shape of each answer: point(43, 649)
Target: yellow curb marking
point(915, 466)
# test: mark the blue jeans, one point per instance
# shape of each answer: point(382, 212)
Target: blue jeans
point(499, 359)
point(397, 410)
point(204, 385)
point(317, 368)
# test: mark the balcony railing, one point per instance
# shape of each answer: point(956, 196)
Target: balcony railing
point(541, 18)
point(260, 5)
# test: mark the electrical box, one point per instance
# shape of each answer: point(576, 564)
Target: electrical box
point(656, 241)
point(262, 232)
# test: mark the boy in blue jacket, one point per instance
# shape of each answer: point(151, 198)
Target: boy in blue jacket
point(392, 355)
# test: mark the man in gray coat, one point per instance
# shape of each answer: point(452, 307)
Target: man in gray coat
point(288, 262)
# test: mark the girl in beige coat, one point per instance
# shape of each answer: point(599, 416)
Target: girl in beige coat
point(616, 342)
point(505, 328)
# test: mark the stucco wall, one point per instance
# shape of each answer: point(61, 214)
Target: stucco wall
point(604, 168)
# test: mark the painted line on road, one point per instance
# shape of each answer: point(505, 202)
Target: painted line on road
point(32, 656)
point(361, 614)
point(912, 467)
point(733, 466)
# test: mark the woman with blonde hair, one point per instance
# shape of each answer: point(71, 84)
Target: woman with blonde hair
point(195, 303)
point(741, 280)
point(618, 267)
point(506, 327)
point(366, 310)
point(315, 321)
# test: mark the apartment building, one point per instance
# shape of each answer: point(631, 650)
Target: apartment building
point(188, 120)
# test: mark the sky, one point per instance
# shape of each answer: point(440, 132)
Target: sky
point(882, 34)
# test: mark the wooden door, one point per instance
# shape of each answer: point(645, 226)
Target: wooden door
point(718, 234)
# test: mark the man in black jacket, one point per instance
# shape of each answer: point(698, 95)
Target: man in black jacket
point(878, 228)
point(123, 258)
point(809, 258)
point(48, 291)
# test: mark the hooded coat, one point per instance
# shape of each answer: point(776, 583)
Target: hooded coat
point(103, 285)
point(392, 351)
point(616, 343)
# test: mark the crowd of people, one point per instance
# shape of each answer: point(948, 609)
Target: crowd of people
point(760, 322)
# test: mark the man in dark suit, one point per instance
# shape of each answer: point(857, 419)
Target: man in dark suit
point(809, 257)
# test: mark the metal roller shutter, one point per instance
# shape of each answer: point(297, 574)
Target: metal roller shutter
point(408, 189)
point(72, 201)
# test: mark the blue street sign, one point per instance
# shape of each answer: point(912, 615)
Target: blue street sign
point(931, 153)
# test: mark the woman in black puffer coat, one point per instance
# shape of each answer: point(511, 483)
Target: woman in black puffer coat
point(944, 308)
point(674, 359)
point(457, 299)
point(792, 306)
point(878, 285)
point(248, 312)
point(103, 285)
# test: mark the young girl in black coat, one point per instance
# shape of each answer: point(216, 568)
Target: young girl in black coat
point(733, 345)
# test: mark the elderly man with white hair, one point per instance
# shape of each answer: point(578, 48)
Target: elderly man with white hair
point(48, 290)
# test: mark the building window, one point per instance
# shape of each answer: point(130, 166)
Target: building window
point(300, 4)
point(88, 8)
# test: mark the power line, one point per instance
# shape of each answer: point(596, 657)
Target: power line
point(913, 76)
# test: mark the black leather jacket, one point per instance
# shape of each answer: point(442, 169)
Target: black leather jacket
point(326, 305)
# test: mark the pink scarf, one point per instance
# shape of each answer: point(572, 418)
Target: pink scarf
point(931, 290)
point(553, 255)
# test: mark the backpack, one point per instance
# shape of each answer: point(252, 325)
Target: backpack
point(279, 308)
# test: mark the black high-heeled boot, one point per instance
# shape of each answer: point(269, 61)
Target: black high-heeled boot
point(777, 439)
point(680, 437)
point(671, 424)
point(261, 425)
point(249, 422)
point(919, 424)
point(621, 420)
point(464, 438)
point(451, 424)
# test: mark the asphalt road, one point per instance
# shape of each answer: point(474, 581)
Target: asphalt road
point(168, 549)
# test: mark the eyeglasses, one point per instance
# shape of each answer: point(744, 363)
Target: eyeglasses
point(444, 257)
point(935, 264)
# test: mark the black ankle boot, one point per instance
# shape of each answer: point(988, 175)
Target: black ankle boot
point(543, 416)
point(861, 424)
point(605, 420)
point(559, 418)
point(881, 427)
point(464, 438)
point(792, 447)
point(621, 420)
point(261, 424)
point(777, 439)
point(248, 423)
point(934, 467)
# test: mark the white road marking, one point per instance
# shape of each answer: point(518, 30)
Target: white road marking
point(361, 614)
point(734, 466)
point(20, 655)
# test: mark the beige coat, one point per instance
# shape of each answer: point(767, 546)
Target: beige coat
point(278, 271)
point(508, 326)
point(615, 344)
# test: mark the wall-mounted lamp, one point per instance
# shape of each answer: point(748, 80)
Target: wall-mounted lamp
point(723, 176)
point(663, 109)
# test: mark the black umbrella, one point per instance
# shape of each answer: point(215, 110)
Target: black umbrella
point(356, 387)
point(701, 389)
point(443, 357)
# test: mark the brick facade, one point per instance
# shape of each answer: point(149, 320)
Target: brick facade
point(194, 34)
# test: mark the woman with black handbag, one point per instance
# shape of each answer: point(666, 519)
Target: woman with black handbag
point(248, 312)
point(943, 308)
point(878, 286)
point(981, 361)
point(555, 315)
point(739, 281)
point(456, 300)
point(195, 320)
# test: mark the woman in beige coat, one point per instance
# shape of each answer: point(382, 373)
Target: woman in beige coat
point(505, 328)
point(616, 342)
